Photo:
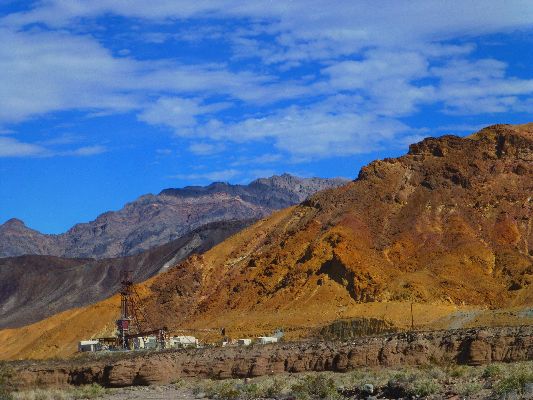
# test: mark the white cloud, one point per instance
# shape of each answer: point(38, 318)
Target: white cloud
point(385, 79)
point(51, 71)
point(375, 67)
point(10, 147)
point(164, 152)
point(86, 151)
point(370, 59)
point(312, 132)
point(178, 113)
point(268, 158)
point(330, 24)
point(213, 176)
point(205, 149)
point(73, 72)
point(480, 86)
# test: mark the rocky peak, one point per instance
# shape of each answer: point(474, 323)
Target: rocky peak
point(13, 223)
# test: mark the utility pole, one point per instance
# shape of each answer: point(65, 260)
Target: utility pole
point(412, 318)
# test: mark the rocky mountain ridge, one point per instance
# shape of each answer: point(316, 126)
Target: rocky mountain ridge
point(450, 223)
point(153, 220)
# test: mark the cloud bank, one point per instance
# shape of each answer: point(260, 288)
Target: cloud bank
point(310, 79)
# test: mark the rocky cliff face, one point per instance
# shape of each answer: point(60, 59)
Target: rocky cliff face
point(153, 220)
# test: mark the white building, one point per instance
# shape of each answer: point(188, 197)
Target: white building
point(267, 339)
point(150, 342)
point(138, 343)
point(89, 345)
point(183, 341)
point(244, 342)
point(145, 342)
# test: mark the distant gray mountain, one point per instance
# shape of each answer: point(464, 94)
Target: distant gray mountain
point(33, 287)
point(153, 220)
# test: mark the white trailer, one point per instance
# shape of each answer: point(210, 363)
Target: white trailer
point(267, 339)
point(183, 341)
point(89, 345)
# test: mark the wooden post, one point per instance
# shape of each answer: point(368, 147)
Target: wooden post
point(412, 318)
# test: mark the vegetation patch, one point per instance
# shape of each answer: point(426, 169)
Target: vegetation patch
point(494, 381)
point(93, 391)
point(353, 328)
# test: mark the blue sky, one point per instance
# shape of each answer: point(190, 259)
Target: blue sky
point(104, 100)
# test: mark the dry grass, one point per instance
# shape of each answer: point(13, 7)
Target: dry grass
point(431, 381)
point(482, 382)
point(93, 391)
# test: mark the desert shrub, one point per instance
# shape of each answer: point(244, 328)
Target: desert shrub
point(315, 387)
point(41, 394)
point(233, 389)
point(509, 384)
point(249, 391)
point(274, 389)
point(458, 371)
point(515, 379)
point(467, 389)
point(6, 376)
point(226, 391)
point(435, 372)
point(178, 383)
point(492, 371)
point(423, 387)
point(349, 329)
point(204, 387)
point(377, 378)
point(408, 385)
point(88, 392)
point(208, 387)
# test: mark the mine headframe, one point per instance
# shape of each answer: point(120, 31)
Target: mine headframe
point(133, 321)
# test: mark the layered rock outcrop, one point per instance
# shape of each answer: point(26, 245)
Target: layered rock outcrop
point(474, 346)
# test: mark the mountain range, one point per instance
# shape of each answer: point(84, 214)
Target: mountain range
point(442, 234)
point(153, 220)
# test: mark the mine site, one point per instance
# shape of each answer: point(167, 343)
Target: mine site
point(292, 200)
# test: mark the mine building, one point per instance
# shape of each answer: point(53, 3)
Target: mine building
point(183, 341)
point(89, 345)
point(267, 339)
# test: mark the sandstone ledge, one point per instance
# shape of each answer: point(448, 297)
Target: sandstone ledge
point(467, 346)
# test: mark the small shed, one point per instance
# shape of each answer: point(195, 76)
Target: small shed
point(138, 343)
point(89, 345)
point(267, 339)
point(183, 341)
point(150, 342)
point(244, 342)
